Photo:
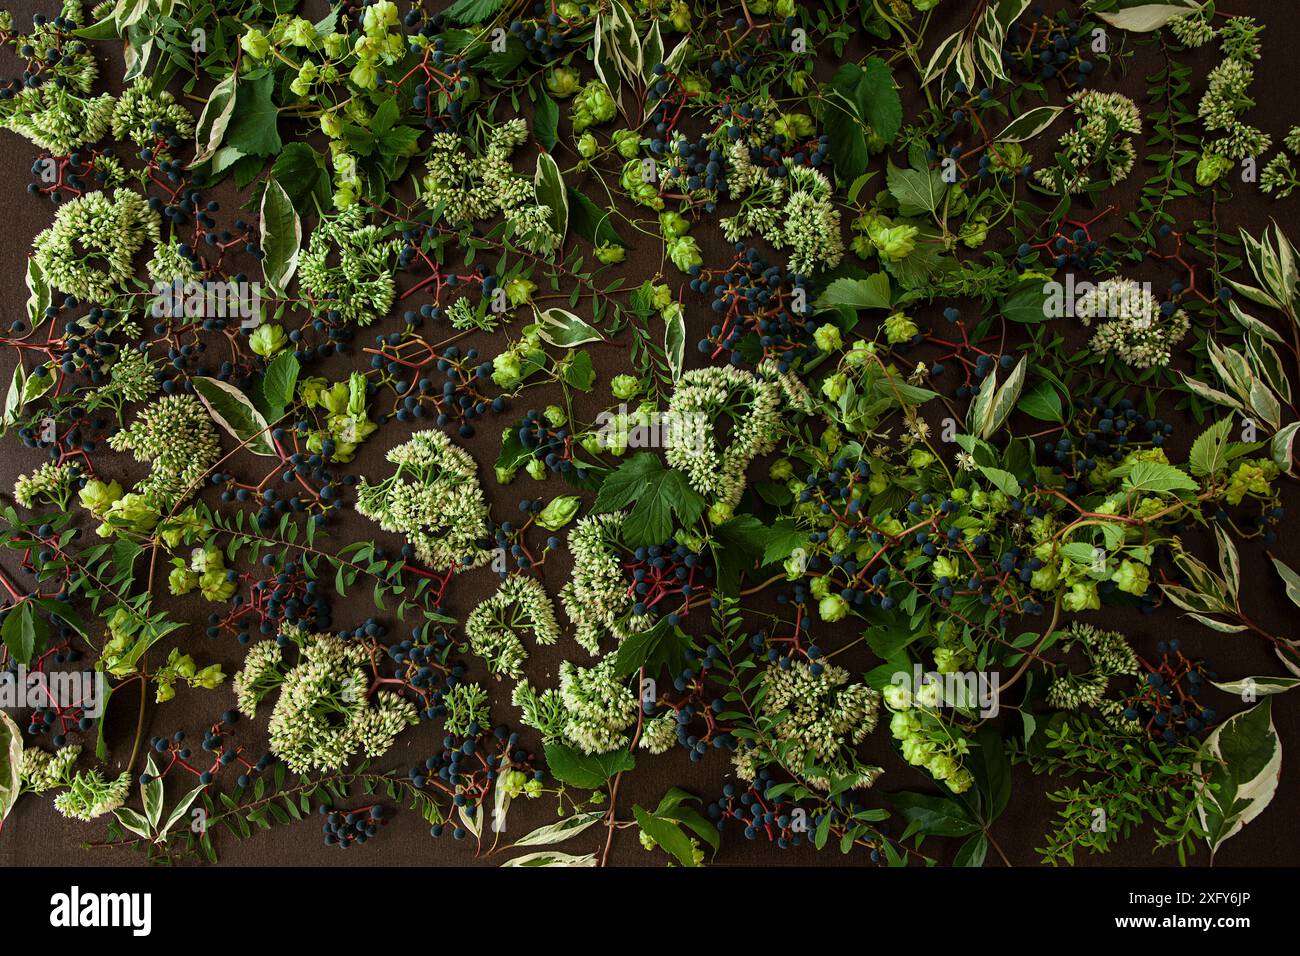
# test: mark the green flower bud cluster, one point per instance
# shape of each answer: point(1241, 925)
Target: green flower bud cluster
point(89, 795)
point(876, 234)
point(359, 287)
point(1108, 654)
point(519, 606)
point(440, 510)
point(207, 572)
point(817, 719)
point(324, 714)
point(467, 706)
point(925, 738)
point(347, 422)
point(139, 108)
point(50, 484)
point(1099, 148)
point(700, 398)
point(596, 596)
point(57, 120)
point(39, 770)
point(471, 188)
point(591, 712)
point(795, 212)
point(176, 436)
point(89, 251)
point(1131, 323)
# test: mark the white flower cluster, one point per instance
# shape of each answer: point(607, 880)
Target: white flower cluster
point(324, 714)
point(441, 510)
point(89, 795)
point(520, 604)
point(261, 674)
point(57, 120)
point(176, 436)
point(794, 211)
point(90, 248)
point(817, 717)
point(1109, 655)
point(471, 188)
point(659, 733)
point(359, 287)
point(1193, 30)
point(1131, 322)
point(168, 264)
point(1100, 144)
point(39, 770)
point(1227, 95)
point(591, 711)
point(49, 484)
point(596, 598)
point(703, 396)
point(139, 108)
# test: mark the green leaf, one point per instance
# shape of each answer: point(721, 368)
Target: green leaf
point(231, 409)
point(656, 494)
point(24, 632)
point(151, 794)
point(879, 100)
point(1290, 579)
point(1143, 16)
point(1002, 479)
point(589, 220)
point(252, 128)
point(1155, 476)
point(667, 834)
point(280, 381)
point(39, 294)
point(870, 293)
point(992, 772)
point(546, 120)
point(1246, 761)
point(1029, 124)
point(658, 648)
point(588, 771)
point(973, 851)
point(281, 236)
point(1027, 305)
point(675, 342)
point(564, 329)
point(470, 13)
point(552, 858)
point(1210, 450)
point(932, 816)
point(559, 832)
point(301, 172)
point(579, 372)
point(918, 191)
point(1043, 402)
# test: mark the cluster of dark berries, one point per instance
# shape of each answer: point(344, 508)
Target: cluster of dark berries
point(343, 828)
point(766, 312)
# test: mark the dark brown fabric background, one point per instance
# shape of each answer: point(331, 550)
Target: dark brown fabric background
point(35, 834)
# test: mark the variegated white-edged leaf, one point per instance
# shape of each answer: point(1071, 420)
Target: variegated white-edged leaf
point(1246, 758)
point(552, 858)
point(559, 832)
point(1257, 686)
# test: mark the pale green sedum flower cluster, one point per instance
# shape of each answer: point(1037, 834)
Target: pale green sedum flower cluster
point(440, 510)
point(520, 605)
point(815, 717)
